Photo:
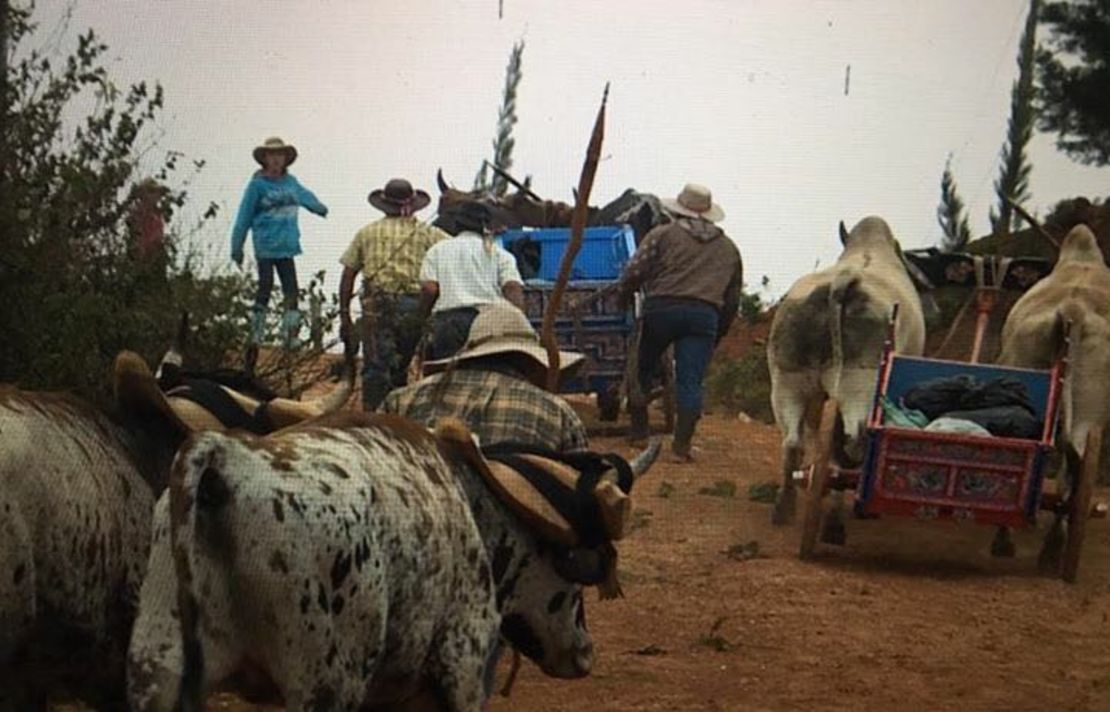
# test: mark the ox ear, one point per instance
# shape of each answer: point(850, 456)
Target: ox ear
point(843, 234)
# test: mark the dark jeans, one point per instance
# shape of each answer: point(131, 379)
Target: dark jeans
point(287, 273)
point(392, 328)
point(450, 330)
point(689, 324)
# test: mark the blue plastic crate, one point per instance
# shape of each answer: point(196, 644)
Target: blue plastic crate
point(604, 252)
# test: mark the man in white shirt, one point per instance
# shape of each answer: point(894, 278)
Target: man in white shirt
point(461, 274)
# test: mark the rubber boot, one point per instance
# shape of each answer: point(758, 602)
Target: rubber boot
point(685, 423)
point(258, 326)
point(638, 430)
point(291, 328)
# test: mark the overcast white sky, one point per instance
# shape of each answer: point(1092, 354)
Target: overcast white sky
point(745, 96)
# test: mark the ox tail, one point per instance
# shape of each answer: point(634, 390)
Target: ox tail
point(843, 286)
point(1069, 312)
point(195, 488)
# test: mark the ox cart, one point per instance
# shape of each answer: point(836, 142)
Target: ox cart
point(908, 470)
point(601, 329)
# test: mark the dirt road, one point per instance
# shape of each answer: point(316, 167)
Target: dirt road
point(908, 616)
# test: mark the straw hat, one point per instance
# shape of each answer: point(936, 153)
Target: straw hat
point(501, 328)
point(695, 201)
point(274, 144)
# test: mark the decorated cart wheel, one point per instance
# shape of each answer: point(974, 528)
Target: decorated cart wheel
point(1080, 505)
point(822, 465)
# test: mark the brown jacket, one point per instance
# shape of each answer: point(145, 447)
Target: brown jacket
point(687, 258)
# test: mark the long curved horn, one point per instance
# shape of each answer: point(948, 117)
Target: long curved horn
point(443, 187)
point(286, 411)
point(843, 234)
point(643, 462)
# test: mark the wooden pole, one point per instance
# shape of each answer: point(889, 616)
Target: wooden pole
point(1032, 221)
point(577, 227)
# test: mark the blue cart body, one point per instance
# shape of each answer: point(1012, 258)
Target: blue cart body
point(604, 330)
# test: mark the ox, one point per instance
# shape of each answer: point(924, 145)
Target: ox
point(354, 561)
point(826, 341)
point(640, 211)
point(1077, 291)
point(77, 490)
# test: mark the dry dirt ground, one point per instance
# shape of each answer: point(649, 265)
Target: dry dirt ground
point(909, 615)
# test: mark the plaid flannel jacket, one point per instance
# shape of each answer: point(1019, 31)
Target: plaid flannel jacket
point(496, 407)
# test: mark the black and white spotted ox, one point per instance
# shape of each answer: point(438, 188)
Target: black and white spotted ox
point(354, 562)
point(77, 491)
point(827, 338)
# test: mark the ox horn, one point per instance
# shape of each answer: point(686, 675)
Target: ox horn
point(285, 412)
point(647, 457)
point(843, 234)
point(443, 187)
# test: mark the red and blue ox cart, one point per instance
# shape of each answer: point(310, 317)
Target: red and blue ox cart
point(953, 476)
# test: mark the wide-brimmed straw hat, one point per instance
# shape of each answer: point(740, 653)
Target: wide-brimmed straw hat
point(398, 196)
point(275, 144)
point(695, 201)
point(503, 329)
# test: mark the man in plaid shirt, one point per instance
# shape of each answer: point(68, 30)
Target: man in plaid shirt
point(492, 386)
point(388, 252)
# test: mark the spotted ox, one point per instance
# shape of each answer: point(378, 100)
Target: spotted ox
point(77, 489)
point(1076, 291)
point(355, 561)
point(827, 338)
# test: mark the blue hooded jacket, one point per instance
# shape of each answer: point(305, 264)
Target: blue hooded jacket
point(269, 211)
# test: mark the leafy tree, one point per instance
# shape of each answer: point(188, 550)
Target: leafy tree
point(1073, 78)
point(503, 143)
point(1013, 174)
point(73, 290)
point(950, 213)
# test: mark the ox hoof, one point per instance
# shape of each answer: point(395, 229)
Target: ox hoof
point(833, 532)
point(1002, 546)
point(1048, 561)
point(783, 513)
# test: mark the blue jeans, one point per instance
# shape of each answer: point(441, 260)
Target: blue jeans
point(689, 324)
point(450, 331)
point(392, 329)
point(287, 273)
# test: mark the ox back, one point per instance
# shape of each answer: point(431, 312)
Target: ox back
point(75, 507)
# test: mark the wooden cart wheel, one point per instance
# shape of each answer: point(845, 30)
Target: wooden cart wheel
point(1080, 504)
point(811, 524)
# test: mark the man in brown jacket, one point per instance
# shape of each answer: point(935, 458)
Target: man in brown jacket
point(691, 273)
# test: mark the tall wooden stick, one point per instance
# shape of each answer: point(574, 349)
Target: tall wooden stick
point(1032, 221)
point(577, 227)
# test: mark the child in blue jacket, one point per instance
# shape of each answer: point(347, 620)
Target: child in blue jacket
point(269, 210)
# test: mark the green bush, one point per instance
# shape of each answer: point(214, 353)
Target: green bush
point(741, 385)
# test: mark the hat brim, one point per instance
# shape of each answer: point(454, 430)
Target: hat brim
point(377, 198)
point(713, 214)
point(568, 360)
point(261, 151)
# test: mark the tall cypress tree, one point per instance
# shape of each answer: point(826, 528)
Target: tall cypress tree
point(950, 213)
point(1073, 79)
point(1013, 174)
point(503, 143)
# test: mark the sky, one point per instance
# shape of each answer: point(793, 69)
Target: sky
point(747, 97)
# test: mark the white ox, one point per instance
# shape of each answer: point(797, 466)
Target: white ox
point(77, 491)
point(352, 561)
point(827, 338)
point(1077, 291)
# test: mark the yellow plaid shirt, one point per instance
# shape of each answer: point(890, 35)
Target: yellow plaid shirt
point(389, 251)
